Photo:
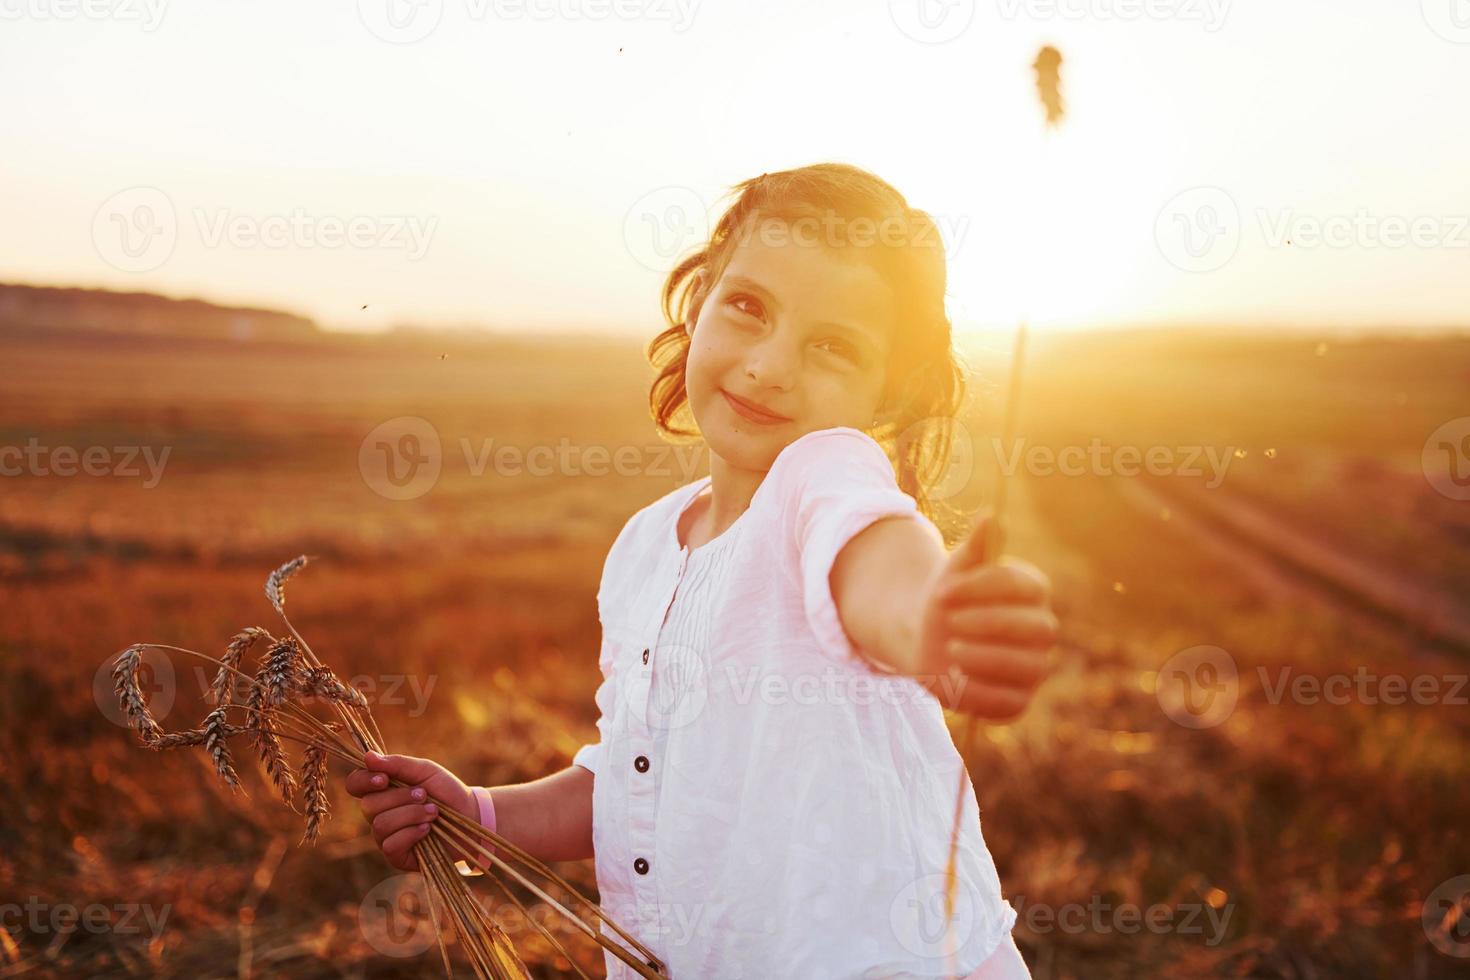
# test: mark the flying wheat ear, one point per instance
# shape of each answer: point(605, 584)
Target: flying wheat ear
point(1048, 66)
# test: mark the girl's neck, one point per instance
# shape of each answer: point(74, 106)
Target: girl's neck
point(712, 512)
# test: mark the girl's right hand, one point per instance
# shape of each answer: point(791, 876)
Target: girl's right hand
point(400, 815)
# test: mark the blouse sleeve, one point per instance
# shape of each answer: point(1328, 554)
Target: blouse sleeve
point(589, 756)
point(837, 482)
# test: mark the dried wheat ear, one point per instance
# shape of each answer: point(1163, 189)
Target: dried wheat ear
point(288, 682)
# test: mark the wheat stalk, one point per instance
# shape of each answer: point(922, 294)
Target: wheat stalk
point(275, 709)
point(1047, 67)
point(994, 544)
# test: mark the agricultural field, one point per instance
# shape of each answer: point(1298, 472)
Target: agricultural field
point(1219, 780)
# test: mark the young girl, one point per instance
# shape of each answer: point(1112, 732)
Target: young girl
point(774, 787)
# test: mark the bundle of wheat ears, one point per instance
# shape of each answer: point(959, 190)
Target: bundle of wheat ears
point(289, 680)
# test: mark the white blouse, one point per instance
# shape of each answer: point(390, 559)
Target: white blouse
point(769, 803)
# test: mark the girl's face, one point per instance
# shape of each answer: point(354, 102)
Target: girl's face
point(797, 329)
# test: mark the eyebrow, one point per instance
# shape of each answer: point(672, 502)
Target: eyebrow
point(860, 332)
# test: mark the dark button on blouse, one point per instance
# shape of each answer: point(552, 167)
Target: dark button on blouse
point(641, 763)
point(641, 866)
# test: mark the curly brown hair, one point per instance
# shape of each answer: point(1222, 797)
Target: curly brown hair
point(924, 379)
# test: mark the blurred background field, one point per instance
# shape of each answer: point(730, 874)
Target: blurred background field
point(1314, 833)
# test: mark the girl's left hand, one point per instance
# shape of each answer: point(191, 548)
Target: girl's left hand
point(992, 624)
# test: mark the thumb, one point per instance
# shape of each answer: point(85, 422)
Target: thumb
point(980, 547)
point(404, 767)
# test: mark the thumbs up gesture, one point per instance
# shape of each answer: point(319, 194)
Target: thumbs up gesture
point(988, 624)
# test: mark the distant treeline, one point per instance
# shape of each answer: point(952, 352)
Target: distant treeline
point(39, 308)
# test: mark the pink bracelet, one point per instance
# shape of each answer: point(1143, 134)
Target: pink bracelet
point(487, 819)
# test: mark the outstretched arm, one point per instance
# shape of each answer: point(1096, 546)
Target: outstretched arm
point(917, 609)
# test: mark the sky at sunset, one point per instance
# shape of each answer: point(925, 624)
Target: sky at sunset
point(538, 165)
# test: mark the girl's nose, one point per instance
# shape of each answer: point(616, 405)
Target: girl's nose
point(773, 363)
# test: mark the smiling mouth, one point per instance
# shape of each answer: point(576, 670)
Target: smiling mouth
point(748, 411)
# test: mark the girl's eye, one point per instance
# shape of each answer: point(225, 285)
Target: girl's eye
point(841, 348)
point(739, 298)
